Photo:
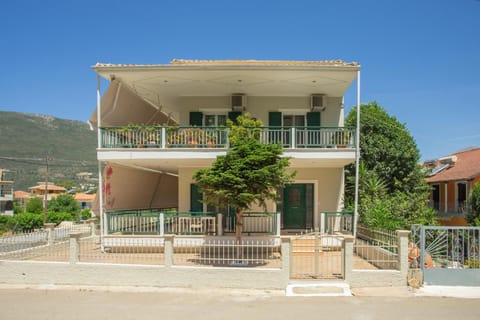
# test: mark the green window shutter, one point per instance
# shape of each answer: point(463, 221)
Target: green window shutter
point(233, 115)
point(274, 119)
point(313, 119)
point(196, 118)
point(196, 198)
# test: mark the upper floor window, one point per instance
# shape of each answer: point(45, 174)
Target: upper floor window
point(215, 120)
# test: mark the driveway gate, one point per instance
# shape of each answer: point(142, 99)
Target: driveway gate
point(448, 255)
point(317, 256)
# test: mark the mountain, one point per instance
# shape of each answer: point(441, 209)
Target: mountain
point(26, 140)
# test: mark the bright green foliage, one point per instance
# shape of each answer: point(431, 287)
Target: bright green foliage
point(392, 189)
point(58, 217)
point(64, 203)
point(249, 173)
point(26, 222)
point(17, 208)
point(34, 205)
point(473, 215)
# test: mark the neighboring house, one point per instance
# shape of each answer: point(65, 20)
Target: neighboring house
point(84, 200)
point(158, 124)
point(452, 179)
point(21, 197)
point(6, 193)
point(50, 189)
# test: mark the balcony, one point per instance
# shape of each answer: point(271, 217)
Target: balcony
point(217, 137)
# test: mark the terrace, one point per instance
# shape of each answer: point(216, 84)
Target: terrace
point(217, 137)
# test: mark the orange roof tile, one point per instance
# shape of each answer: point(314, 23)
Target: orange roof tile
point(21, 194)
point(84, 197)
point(466, 167)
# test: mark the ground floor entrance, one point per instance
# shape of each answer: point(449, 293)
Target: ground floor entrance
point(296, 205)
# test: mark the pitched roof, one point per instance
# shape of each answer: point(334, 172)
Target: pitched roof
point(19, 194)
point(84, 197)
point(50, 187)
point(466, 167)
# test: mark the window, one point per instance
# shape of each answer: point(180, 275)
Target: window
point(215, 120)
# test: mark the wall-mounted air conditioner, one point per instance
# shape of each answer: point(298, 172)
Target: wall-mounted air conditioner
point(318, 102)
point(239, 102)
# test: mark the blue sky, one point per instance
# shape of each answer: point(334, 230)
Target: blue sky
point(420, 58)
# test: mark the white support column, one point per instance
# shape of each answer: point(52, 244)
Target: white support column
point(164, 138)
point(161, 221)
point(357, 158)
point(100, 176)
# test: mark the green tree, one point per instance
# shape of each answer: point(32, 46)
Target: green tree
point(250, 172)
point(473, 215)
point(34, 205)
point(64, 203)
point(393, 192)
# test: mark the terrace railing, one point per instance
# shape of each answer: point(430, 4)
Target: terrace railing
point(338, 222)
point(217, 137)
point(255, 222)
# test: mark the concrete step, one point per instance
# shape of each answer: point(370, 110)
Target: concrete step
point(318, 289)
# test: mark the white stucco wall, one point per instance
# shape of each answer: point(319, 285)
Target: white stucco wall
point(260, 106)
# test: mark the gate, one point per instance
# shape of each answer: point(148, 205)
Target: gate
point(448, 255)
point(317, 256)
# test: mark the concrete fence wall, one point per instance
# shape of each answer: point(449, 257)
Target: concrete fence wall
point(167, 275)
point(170, 275)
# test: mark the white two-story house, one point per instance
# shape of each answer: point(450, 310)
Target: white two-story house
point(158, 124)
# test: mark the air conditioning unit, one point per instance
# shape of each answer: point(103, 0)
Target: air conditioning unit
point(239, 102)
point(318, 102)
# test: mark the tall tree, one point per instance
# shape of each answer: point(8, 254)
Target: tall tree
point(393, 192)
point(250, 172)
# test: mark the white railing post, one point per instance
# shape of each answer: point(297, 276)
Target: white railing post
point(50, 232)
point(161, 221)
point(164, 137)
point(293, 138)
point(316, 221)
point(219, 224)
point(74, 247)
point(168, 250)
point(278, 223)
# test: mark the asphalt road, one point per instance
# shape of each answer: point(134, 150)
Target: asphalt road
point(222, 304)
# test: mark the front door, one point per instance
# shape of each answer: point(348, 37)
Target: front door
point(294, 206)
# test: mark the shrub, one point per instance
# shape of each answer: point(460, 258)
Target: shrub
point(26, 222)
point(34, 205)
point(58, 217)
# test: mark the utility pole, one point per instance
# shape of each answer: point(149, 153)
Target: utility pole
point(46, 192)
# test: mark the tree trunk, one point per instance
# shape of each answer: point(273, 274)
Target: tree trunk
point(238, 235)
point(238, 225)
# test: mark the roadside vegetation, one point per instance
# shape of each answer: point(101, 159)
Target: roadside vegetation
point(393, 193)
point(61, 208)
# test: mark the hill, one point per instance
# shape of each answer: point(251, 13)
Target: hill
point(27, 139)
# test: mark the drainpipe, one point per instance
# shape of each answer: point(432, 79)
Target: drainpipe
point(357, 159)
point(100, 178)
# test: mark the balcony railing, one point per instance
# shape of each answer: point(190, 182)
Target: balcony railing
point(459, 206)
point(217, 137)
point(161, 222)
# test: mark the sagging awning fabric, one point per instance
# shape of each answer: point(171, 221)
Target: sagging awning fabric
point(121, 106)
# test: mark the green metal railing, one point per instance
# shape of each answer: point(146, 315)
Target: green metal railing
point(254, 222)
point(338, 222)
point(160, 222)
point(217, 137)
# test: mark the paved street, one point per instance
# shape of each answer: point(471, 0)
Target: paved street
point(222, 304)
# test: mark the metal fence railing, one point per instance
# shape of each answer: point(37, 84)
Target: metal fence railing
point(446, 247)
point(254, 222)
point(50, 244)
point(317, 256)
point(376, 249)
point(338, 222)
point(229, 252)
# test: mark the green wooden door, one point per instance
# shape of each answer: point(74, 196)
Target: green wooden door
point(294, 206)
